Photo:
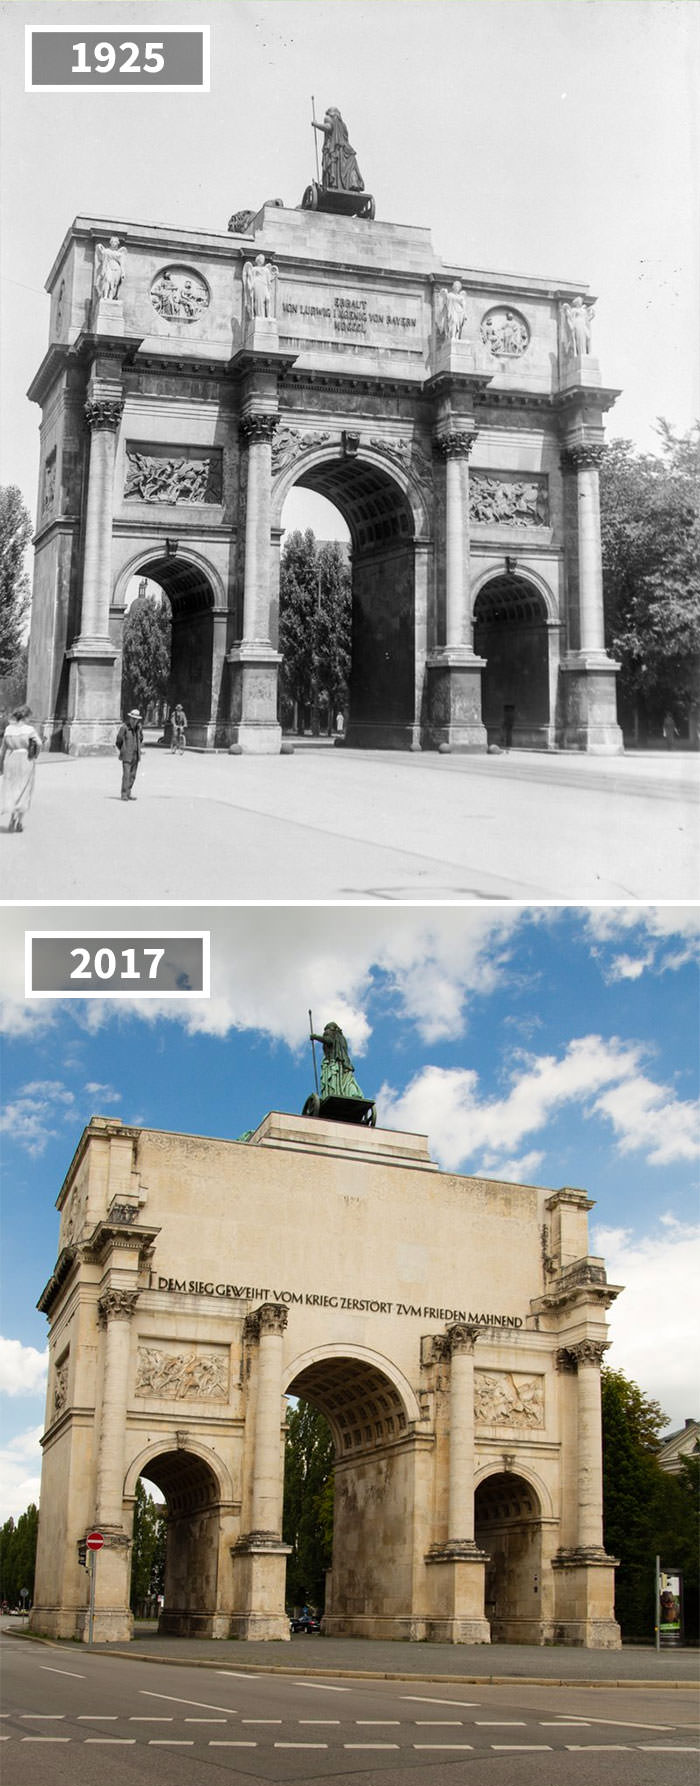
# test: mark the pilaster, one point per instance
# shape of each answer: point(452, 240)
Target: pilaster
point(90, 725)
point(255, 728)
point(454, 672)
point(459, 1590)
point(260, 1557)
point(590, 708)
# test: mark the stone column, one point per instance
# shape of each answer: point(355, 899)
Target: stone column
point(115, 1310)
point(260, 1557)
point(460, 1522)
point(455, 721)
point(590, 721)
point(92, 702)
point(255, 728)
point(588, 1356)
point(270, 1322)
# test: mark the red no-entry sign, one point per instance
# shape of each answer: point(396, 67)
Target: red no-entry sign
point(94, 1540)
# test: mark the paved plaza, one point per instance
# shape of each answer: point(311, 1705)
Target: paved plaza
point(326, 824)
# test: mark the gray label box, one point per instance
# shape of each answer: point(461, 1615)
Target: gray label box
point(117, 964)
point(72, 59)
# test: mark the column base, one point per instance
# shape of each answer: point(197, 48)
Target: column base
point(259, 1579)
point(91, 727)
point(457, 1594)
point(255, 729)
point(585, 1599)
point(454, 701)
point(589, 704)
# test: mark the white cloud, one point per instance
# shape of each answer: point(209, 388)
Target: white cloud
point(654, 1324)
point(20, 1474)
point(28, 1118)
point(105, 1093)
point(22, 1368)
point(666, 938)
point(602, 1077)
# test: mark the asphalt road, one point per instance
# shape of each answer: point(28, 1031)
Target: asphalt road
point(335, 825)
point(70, 1716)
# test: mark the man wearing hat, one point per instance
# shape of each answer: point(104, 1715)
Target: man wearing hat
point(128, 742)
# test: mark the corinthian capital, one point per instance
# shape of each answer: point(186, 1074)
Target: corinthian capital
point(272, 1317)
point(103, 412)
point(581, 458)
point(116, 1305)
point(589, 1352)
point(258, 428)
point(457, 444)
point(462, 1337)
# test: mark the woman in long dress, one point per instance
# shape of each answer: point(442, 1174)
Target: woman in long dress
point(18, 753)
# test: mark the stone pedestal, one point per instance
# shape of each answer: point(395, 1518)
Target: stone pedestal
point(584, 1595)
point(107, 316)
point(259, 1577)
point(454, 700)
point(457, 1594)
point(590, 704)
point(255, 728)
point(90, 728)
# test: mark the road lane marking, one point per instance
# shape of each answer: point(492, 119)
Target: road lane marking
point(97, 1717)
point(378, 1723)
point(139, 1720)
point(109, 1739)
point(445, 1748)
point(371, 1745)
point(563, 1724)
point(517, 1748)
point(629, 1724)
point(500, 1723)
point(426, 1699)
point(262, 1720)
point(220, 1742)
point(438, 1723)
point(44, 1739)
point(303, 1745)
point(170, 1742)
point(67, 1671)
point(212, 1720)
point(174, 1699)
point(320, 1687)
point(45, 1717)
point(315, 1721)
point(597, 1748)
point(668, 1749)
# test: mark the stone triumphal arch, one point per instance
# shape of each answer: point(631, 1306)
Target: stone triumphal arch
point(450, 1329)
point(454, 417)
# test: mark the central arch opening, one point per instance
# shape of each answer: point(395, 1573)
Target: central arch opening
point(382, 693)
point(369, 1583)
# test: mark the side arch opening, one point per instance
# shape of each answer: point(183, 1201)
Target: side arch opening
point(511, 633)
point(508, 1526)
point(191, 1574)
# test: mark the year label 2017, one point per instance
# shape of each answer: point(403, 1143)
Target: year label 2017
point(117, 964)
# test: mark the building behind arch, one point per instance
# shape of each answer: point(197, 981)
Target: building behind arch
point(451, 1329)
point(455, 417)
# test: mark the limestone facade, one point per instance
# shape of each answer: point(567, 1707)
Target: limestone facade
point(451, 1329)
point(454, 417)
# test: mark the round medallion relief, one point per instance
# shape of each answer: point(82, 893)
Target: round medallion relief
point(179, 294)
point(505, 332)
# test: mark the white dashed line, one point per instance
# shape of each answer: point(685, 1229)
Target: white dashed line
point(439, 1723)
point(67, 1671)
point(138, 1720)
point(596, 1748)
point(301, 1745)
point(371, 1745)
point(445, 1748)
point(211, 1720)
point(44, 1739)
point(110, 1739)
point(317, 1722)
point(45, 1717)
point(202, 1704)
point(500, 1723)
point(320, 1687)
point(261, 1720)
point(425, 1699)
point(376, 1723)
point(170, 1742)
point(97, 1717)
point(563, 1724)
point(668, 1749)
point(517, 1748)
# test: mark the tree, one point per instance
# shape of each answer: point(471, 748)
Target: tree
point(314, 629)
point(650, 524)
point(646, 1511)
point(15, 534)
point(18, 1556)
point(148, 1552)
point(307, 1520)
point(146, 652)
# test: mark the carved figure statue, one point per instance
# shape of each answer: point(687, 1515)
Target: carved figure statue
point(451, 311)
point(260, 287)
point(110, 261)
point(337, 1071)
point(339, 169)
point(578, 316)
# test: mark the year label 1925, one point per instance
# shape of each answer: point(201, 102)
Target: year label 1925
point(70, 60)
point(117, 964)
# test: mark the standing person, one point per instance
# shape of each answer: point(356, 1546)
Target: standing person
point(178, 721)
point(129, 743)
point(669, 730)
point(18, 753)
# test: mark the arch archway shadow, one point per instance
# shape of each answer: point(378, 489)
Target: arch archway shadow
point(192, 602)
point(369, 1587)
point(193, 1499)
point(511, 633)
point(508, 1524)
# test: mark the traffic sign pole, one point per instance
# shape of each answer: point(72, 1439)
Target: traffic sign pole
point(94, 1542)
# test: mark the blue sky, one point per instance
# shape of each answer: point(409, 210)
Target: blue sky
point(543, 1044)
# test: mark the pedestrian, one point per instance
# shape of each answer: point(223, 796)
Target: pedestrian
point(18, 753)
point(129, 744)
point(669, 730)
point(178, 729)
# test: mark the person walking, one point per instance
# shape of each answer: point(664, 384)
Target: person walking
point(178, 729)
point(129, 741)
point(18, 753)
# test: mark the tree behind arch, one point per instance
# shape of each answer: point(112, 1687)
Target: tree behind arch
point(146, 652)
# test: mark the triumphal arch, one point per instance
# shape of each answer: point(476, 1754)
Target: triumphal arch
point(450, 1329)
point(454, 417)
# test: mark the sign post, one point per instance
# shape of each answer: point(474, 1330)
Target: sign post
point(94, 1542)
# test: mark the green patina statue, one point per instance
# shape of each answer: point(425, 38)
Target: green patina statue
point(339, 1096)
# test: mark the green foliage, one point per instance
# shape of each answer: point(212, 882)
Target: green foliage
point(650, 524)
point(18, 1556)
point(307, 1521)
point(146, 660)
point(647, 1511)
point(15, 534)
point(314, 628)
point(148, 1553)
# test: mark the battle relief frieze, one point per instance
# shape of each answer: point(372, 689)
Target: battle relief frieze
point(288, 444)
point(173, 475)
point(179, 294)
point(509, 501)
point(508, 1398)
point(164, 1374)
point(505, 332)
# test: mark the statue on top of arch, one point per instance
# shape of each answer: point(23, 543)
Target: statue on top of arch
point(341, 186)
point(339, 1095)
